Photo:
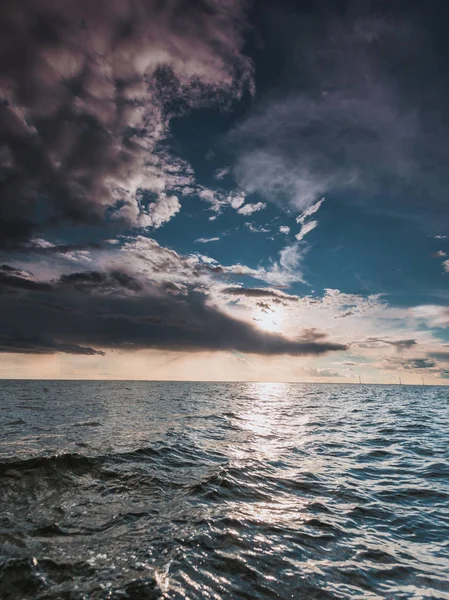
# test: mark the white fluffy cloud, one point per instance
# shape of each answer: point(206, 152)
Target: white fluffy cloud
point(305, 229)
point(163, 209)
point(249, 209)
point(431, 314)
point(158, 212)
point(236, 200)
point(282, 272)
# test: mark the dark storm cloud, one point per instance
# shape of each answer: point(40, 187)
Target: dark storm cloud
point(11, 279)
point(95, 281)
point(36, 345)
point(114, 310)
point(87, 282)
point(86, 93)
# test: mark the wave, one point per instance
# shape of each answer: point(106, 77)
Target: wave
point(224, 492)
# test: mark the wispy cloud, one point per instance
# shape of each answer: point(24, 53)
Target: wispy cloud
point(339, 122)
point(206, 240)
point(256, 228)
point(219, 199)
point(306, 225)
point(309, 211)
point(221, 173)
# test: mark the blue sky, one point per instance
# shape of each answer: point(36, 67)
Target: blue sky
point(225, 190)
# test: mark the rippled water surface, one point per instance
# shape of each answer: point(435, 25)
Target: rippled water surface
point(210, 490)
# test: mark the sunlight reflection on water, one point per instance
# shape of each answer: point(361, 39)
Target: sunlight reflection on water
point(253, 490)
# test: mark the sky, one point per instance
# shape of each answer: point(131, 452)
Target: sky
point(224, 190)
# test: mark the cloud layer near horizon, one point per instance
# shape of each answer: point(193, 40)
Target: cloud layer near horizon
point(84, 313)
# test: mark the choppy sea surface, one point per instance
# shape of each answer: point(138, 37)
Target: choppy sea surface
point(144, 490)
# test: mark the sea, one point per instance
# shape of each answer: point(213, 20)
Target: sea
point(173, 490)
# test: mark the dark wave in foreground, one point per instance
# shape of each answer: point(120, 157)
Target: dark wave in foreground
point(184, 491)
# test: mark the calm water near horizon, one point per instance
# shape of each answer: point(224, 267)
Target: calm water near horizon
point(151, 490)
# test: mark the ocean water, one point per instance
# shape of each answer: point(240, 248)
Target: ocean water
point(116, 490)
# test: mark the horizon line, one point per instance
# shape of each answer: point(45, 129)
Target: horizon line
point(356, 383)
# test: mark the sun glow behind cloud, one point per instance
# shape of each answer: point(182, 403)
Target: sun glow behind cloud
point(269, 320)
